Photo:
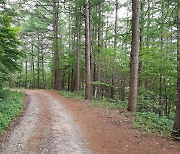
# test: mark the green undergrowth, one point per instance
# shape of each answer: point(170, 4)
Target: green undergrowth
point(77, 95)
point(103, 102)
point(97, 102)
point(10, 105)
point(153, 123)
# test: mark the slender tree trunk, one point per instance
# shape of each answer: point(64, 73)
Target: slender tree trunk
point(38, 64)
point(88, 94)
point(116, 26)
point(42, 67)
point(26, 81)
point(141, 39)
point(160, 96)
point(115, 47)
point(99, 48)
point(176, 128)
point(72, 80)
point(106, 33)
point(122, 88)
point(161, 49)
point(78, 73)
point(166, 98)
point(32, 64)
point(57, 75)
point(69, 80)
point(134, 57)
point(112, 87)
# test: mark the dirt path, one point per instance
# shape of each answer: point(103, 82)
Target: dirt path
point(45, 128)
point(54, 124)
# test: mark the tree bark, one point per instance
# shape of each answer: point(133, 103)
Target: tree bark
point(116, 24)
point(57, 77)
point(26, 80)
point(78, 71)
point(132, 103)
point(176, 128)
point(88, 94)
point(99, 48)
point(38, 63)
point(141, 39)
point(32, 64)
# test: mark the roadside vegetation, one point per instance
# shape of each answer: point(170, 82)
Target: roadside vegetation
point(11, 103)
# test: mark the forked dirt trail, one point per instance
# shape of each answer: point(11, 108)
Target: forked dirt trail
point(53, 124)
point(46, 128)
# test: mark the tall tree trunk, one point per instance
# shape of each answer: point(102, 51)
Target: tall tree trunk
point(106, 33)
point(26, 71)
point(99, 48)
point(42, 67)
point(141, 38)
point(38, 63)
point(161, 49)
point(57, 77)
point(72, 79)
point(115, 47)
point(176, 128)
point(32, 64)
point(116, 24)
point(134, 57)
point(69, 76)
point(160, 96)
point(88, 94)
point(78, 73)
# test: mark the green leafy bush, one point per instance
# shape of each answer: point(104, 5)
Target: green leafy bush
point(153, 123)
point(10, 106)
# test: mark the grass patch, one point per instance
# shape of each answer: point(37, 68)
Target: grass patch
point(97, 102)
point(109, 104)
point(11, 103)
point(153, 123)
point(77, 95)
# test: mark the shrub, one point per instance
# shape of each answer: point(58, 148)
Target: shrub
point(153, 123)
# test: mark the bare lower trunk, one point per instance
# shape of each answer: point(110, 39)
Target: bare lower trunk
point(78, 73)
point(38, 64)
point(134, 57)
point(32, 65)
point(176, 128)
point(99, 48)
point(26, 82)
point(141, 40)
point(88, 94)
point(57, 79)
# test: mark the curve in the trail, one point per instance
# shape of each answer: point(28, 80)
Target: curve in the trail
point(45, 128)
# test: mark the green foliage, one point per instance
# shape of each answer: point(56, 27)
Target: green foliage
point(146, 101)
point(77, 95)
point(153, 123)
point(10, 106)
point(99, 102)
point(9, 53)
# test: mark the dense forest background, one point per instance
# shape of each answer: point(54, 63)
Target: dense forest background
point(89, 46)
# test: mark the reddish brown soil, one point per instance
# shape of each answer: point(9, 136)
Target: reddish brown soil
point(111, 132)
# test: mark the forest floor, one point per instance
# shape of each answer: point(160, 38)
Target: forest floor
point(55, 124)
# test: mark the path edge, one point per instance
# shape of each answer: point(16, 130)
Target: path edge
point(16, 121)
